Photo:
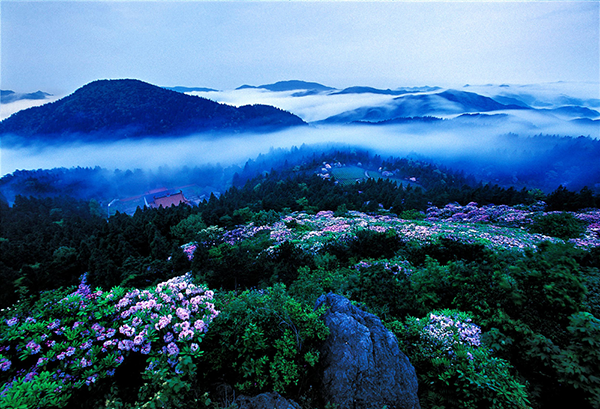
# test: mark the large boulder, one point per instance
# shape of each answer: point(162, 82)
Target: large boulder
point(363, 366)
point(269, 400)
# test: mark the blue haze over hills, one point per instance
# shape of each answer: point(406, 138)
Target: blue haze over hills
point(487, 130)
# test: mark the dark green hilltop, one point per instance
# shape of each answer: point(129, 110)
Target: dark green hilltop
point(116, 109)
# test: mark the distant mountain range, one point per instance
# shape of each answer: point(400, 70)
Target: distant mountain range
point(571, 111)
point(292, 85)
point(371, 90)
point(191, 89)
point(448, 102)
point(311, 88)
point(413, 104)
point(114, 109)
point(8, 96)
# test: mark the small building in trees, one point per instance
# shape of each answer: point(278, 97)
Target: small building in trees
point(168, 200)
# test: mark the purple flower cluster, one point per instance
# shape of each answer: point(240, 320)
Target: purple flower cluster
point(189, 250)
point(4, 364)
point(493, 226)
point(172, 349)
point(167, 309)
point(74, 348)
point(33, 347)
point(471, 213)
point(447, 330)
point(517, 216)
point(589, 216)
point(63, 346)
point(378, 228)
point(241, 233)
point(393, 266)
point(54, 324)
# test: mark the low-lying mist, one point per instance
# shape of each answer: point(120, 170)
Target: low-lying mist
point(7, 109)
point(310, 108)
point(476, 137)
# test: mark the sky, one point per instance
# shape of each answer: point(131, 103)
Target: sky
point(58, 47)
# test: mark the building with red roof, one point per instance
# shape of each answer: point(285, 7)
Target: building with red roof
point(174, 199)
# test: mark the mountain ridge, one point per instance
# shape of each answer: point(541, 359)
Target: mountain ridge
point(290, 85)
point(448, 102)
point(7, 96)
point(132, 108)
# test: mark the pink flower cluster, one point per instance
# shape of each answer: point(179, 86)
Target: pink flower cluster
point(104, 328)
point(177, 309)
point(189, 250)
point(4, 364)
point(471, 213)
point(516, 216)
point(493, 226)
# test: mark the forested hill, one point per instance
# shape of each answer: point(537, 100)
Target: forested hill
point(127, 108)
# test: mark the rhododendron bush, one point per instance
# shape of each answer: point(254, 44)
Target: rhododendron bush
point(73, 342)
point(495, 227)
point(455, 369)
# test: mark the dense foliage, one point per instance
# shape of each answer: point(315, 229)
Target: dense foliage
point(496, 305)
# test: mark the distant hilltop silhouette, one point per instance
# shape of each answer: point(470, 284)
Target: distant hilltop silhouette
point(115, 109)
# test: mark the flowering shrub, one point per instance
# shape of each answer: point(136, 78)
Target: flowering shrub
point(494, 227)
point(395, 266)
point(382, 287)
point(444, 331)
point(453, 366)
point(74, 341)
point(563, 225)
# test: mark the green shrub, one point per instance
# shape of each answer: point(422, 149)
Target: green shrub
point(263, 340)
point(562, 225)
point(187, 229)
point(578, 364)
point(384, 287)
point(312, 283)
point(412, 215)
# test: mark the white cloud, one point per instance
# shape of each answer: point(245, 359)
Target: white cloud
point(7, 110)
point(310, 108)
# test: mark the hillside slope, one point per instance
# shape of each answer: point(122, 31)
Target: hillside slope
point(129, 108)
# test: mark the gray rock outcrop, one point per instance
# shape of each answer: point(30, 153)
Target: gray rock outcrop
point(363, 366)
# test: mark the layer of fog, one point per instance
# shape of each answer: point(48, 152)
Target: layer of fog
point(7, 110)
point(316, 107)
point(310, 108)
point(468, 140)
point(546, 95)
point(441, 139)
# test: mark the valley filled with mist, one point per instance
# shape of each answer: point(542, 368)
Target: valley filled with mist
point(535, 136)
